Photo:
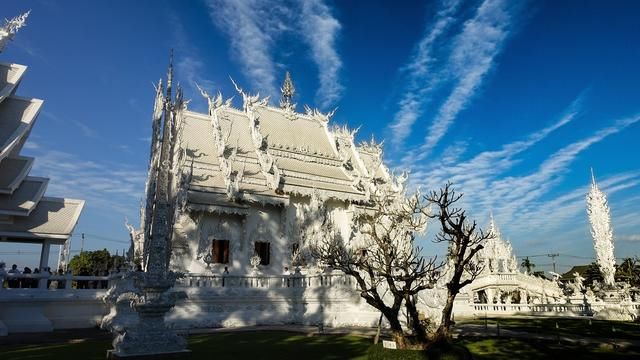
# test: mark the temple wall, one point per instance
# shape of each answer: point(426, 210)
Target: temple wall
point(276, 225)
point(237, 307)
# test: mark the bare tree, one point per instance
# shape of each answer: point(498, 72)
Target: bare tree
point(464, 240)
point(383, 259)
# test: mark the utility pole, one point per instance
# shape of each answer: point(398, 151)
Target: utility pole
point(82, 244)
point(553, 259)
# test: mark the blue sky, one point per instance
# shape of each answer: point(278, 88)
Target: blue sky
point(512, 101)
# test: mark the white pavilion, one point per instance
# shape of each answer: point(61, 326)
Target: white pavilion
point(26, 214)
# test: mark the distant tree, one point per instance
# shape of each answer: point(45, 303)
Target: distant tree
point(383, 259)
point(94, 262)
point(528, 265)
point(464, 240)
point(592, 274)
point(629, 271)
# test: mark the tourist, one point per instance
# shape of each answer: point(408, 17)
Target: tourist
point(34, 283)
point(83, 284)
point(61, 283)
point(3, 273)
point(104, 284)
point(14, 283)
point(26, 282)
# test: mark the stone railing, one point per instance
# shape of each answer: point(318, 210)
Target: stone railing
point(265, 281)
point(45, 281)
point(494, 309)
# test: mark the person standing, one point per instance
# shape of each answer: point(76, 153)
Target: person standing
point(14, 283)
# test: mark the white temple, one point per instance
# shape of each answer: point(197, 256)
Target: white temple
point(253, 174)
point(501, 281)
point(26, 214)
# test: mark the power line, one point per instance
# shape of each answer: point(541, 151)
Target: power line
point(99, 237)
point(18, 252)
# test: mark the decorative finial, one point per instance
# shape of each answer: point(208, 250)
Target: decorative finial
point(287, 90)
point(593, 178)
point(170, 75)
point(11, 27)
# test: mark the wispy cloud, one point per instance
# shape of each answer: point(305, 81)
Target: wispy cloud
point(320, 29)
point(486, 166)
point(522, 202)
point(254, 28)
point(421, 79)
point(630, 237)
point(85, 129)
point(473, 56)
point(113, 187)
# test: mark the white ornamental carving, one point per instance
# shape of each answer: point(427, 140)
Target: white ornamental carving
point(601, 231)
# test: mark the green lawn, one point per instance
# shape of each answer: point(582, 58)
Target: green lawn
point(232, 345)
point(567, 327)
point(286, 345)
point(509, 349)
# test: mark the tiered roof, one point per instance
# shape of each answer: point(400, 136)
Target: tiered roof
point(26, 215)
point(266, 154)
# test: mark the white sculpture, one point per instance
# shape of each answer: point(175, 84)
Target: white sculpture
point(601, 231)
point(11, 27)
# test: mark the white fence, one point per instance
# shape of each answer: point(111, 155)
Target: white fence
point(281, 281)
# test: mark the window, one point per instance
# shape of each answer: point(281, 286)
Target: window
point(220, 251)
point(262, 249)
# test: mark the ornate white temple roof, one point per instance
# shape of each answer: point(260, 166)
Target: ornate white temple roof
point(274, 152)
point(497, 254)
point(25, 214)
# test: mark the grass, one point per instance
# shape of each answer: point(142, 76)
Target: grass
point(508, 349)
point(231, 345)
point(568, 327)
point(287, 345)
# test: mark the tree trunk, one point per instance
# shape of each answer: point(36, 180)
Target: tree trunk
point(443, 335)
point(416, 325)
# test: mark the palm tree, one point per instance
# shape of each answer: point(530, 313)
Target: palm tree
point(527, 264)
point(629, 271)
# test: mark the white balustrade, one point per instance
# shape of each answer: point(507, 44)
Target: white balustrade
point(265, 281)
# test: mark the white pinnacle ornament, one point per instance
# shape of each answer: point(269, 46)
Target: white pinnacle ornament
point(601, 231)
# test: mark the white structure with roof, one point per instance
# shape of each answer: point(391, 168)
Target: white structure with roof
point(252, 172)
point(27, 215)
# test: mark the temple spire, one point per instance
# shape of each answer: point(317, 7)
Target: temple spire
point(593, 178)
point(287, 91)
point(170, 76)
point(11, 27)
point(493, 227)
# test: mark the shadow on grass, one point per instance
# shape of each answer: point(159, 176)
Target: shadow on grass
point(235, 345)
point(507, 349)
point(287, 345)
point(568, 327)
